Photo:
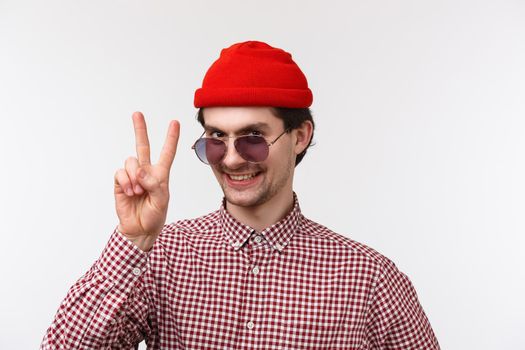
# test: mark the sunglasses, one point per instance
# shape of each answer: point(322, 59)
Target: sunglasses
point(252, 148)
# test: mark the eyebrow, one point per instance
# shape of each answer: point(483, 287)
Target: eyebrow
point(250, 127)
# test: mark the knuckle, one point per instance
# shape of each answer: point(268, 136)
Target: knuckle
point(122, 181)
point(130, 174)
point(130, 160)
point(118, 173)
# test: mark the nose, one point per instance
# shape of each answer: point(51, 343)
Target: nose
point(232, 159)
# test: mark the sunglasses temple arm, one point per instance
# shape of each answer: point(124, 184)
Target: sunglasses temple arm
point(278, 137)
point(193, 146)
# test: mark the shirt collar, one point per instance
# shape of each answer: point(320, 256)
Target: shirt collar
point(278, 235)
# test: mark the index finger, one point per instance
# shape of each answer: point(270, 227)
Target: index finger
point(170, 145)
point(141, 139)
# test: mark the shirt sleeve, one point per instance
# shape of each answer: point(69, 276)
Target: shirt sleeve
point(109, 306)
point(397, 320)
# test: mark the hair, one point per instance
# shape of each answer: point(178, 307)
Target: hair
point(292, 119)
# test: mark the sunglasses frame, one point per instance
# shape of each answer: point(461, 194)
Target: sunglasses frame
point(193, 147)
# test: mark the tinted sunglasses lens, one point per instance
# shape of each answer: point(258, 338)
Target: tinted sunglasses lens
point(252, 148)
point(210, 151)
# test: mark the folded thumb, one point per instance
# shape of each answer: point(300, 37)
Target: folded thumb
point(148, 182)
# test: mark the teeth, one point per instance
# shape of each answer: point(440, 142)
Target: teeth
point(241, 177)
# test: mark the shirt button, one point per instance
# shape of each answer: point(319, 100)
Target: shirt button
point(236, 244)
point(250, 325)
point(256, 270)
point(258, 239)
point(136, 271)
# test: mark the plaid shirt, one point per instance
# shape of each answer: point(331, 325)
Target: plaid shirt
point(213, 282)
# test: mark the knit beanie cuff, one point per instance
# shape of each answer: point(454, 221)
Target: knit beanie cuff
point(273, 97)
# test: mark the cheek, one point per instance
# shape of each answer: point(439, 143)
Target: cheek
point(281, 161)
point(288, 153)
point(216, 172)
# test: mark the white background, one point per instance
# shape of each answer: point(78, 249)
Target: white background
point(419, 151)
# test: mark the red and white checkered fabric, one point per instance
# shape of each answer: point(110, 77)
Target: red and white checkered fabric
point(215, 283)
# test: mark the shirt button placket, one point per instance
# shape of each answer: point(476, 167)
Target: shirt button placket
point(253, 304)
point(250, 325)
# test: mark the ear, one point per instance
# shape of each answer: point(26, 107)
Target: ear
point(303, 136)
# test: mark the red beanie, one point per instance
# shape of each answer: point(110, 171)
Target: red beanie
point(253, 73)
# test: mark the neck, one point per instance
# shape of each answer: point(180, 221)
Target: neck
point(266, 214)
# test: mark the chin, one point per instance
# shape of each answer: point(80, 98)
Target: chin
point(245, 198)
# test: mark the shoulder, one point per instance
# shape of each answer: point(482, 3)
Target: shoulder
point(336, 241)
point(360, 257)
point(202, 227)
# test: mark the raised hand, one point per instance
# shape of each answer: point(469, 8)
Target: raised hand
point(142, 202)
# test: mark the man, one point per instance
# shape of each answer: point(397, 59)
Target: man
point(254, 274)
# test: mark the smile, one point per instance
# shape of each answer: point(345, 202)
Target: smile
point(242, 177)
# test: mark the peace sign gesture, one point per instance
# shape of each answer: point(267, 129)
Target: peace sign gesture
point(141, 189)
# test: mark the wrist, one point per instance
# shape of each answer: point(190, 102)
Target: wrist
point(143, 242)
